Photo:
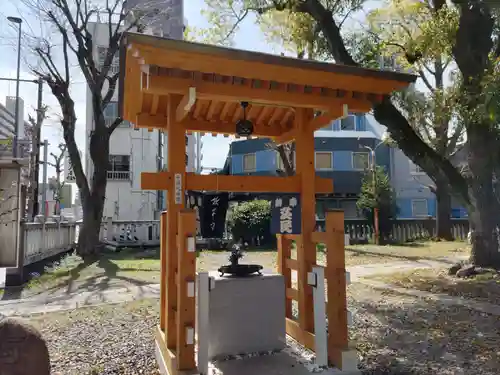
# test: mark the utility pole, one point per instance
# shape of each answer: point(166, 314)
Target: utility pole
point(36, 147)
point(44, 186)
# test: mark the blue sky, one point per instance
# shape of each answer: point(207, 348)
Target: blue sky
point(214, 148)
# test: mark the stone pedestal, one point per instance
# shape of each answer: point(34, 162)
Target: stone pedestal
point(246, 315)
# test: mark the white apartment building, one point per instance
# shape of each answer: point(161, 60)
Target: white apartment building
point(133, 151)
point(7, 118)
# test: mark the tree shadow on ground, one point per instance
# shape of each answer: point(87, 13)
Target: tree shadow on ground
point(42, 268)
point(482, 287)
point(397, 257)
point(67, 274)
point(396, 334)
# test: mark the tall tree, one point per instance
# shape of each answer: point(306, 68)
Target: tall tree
point(71, 24)
point(58, 182)
point(398, 33)
point(472, 42)
point(377, 193)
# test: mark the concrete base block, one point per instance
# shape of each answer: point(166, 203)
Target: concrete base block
point(246, 315)
point(159, 359)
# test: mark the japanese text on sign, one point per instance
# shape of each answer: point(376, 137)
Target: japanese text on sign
point(285, 215)
point(178, 188)
point(215, 205)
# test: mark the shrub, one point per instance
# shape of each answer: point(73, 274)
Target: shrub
point(250, 220)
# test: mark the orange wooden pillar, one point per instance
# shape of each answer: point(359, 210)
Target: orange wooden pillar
point(175, 203)
point(336, 289)
point(186, 303)
point(306, 249)
point(163, 262)
point(284, 252)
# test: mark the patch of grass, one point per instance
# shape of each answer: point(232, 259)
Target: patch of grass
point(412, 251)
point(484, 287)
point(139, 267)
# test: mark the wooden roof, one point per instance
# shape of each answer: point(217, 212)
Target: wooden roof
point(153, 68)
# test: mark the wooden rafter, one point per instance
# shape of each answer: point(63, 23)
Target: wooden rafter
point(164, 85)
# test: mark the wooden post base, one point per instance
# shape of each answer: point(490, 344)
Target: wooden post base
point(166, 358)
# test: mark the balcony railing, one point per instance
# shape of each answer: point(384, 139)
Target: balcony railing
point(119, 175)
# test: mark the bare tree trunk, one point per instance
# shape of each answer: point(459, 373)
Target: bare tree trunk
point(93, 202)
point(88, 240)
point(443, 212)
point(484, 210)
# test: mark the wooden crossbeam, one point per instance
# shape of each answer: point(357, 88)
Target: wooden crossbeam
point(315, 124)
point(248, 184)
point(146, 120)
point(304, 337)
point(185, 105)
point(164, 85)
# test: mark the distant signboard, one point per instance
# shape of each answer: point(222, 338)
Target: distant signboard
point(286, 215)
point(213, 214)
point(69, 174)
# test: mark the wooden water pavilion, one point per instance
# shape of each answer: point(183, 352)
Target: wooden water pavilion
point(181, 87)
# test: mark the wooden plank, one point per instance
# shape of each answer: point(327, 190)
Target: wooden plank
point(168, 355)
point(225, 110)
point(163, 265)
point(271, 68)
point(286, 137)
point(337, 295)
point(306, 249)
point(175, 165)
point(254, 184)
point(284, 253)
point(319, 237)
point(292, 294)
point(154, 104)
point(325, 119)
point(303, 337)
point(237, 93)
point(156, 180)
point(186, 302)
point(164, 180)
point(146, 120)
point(183, 108)
point(292, 264)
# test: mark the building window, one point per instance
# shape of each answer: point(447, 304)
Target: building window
point(360, 161)
point(119, 167)
point(187, 159)
point(324, 160)
point(249, 163)
point(187, 140)
point(415, 169)
point(279, 162)
point(102, 53)
point(348, 123)
point(419, 208)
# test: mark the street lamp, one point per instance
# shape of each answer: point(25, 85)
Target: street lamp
point(385, 137)
point(19, 22)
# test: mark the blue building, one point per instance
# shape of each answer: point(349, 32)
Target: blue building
point(343, 153)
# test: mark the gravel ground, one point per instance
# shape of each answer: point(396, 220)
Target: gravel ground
point(393, 334)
